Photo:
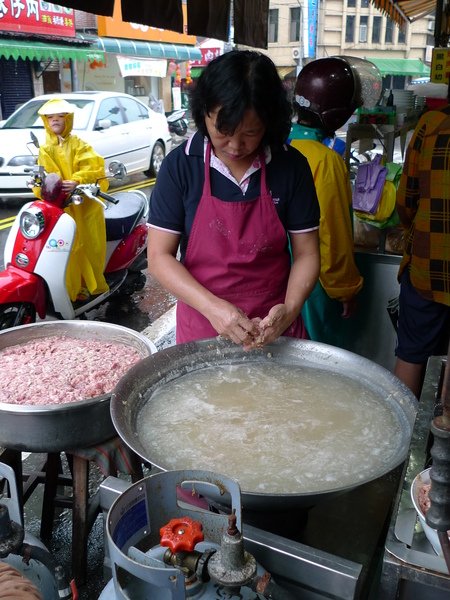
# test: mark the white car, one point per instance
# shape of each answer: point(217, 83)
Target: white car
point(118, 126)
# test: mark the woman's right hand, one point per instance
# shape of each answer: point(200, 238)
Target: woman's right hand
point(231, 322)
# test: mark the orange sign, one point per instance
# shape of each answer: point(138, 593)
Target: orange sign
point(115, 27)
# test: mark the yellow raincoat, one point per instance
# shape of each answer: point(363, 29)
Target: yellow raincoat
point(339, 278)
point(74, 159)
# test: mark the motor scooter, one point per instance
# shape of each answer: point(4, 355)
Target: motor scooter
point(177, 122)
point(39, 243)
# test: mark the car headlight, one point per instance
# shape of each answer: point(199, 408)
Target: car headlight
point(32, 223)
point(20, 161)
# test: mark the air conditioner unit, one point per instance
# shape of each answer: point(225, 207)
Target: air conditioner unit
point(296, 53)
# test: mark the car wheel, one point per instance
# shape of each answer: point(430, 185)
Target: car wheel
point(158, 155)
point(12, 315)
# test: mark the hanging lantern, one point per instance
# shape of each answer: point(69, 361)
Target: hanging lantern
point(188, 74)
point(178, 75)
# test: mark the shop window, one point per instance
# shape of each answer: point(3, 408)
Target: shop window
point(389, 34)
point(376, 30)
point(350, 28)
point(273, 25)
point(363, 24)
point(294, 32)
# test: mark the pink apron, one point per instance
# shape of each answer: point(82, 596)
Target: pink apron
point(237, 250)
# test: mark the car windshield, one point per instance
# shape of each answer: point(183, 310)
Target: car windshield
point(27, 116)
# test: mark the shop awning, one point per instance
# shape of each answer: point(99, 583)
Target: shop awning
point(401, 66)
point(13, 48)
point(403, 11)
point(143, 49)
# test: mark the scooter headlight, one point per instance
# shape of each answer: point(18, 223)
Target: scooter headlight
point(32, 223)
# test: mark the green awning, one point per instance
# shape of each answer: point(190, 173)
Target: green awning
point(144, 49)
point(413, 67)
point(13, 48)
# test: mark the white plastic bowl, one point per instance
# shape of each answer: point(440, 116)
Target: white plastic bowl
point(431, 534)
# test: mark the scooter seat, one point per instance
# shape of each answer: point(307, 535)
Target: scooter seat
point(123, 217)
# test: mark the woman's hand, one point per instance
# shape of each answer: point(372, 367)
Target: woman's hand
point(232, 323)
point(271, 327)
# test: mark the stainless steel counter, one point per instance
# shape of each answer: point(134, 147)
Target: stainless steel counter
point(411, 568)
point(370, 332)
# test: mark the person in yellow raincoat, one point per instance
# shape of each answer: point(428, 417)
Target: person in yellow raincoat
point(76, 162)
point(326, 95)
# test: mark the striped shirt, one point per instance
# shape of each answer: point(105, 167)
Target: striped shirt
point(423, 204)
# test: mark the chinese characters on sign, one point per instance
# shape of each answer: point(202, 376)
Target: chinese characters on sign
point(440, 65)
point(36, 16)
point(208, 54)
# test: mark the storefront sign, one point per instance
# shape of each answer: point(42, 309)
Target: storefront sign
point(142, 66)
point(36, 16)
point(312, 29)
point(115, 27)
point(208, 54)
point(440, 65)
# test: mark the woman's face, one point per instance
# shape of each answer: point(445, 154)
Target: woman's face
point(240, 147)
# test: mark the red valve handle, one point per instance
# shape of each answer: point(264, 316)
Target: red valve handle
point(181, 535)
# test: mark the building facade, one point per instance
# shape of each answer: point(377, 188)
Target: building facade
point(301, 30)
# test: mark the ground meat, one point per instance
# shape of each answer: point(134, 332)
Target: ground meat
point(14, 586)
point(60, 369)
point(422, 497)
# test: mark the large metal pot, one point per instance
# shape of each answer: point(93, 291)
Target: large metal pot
point(135, 389)
point(54, 428)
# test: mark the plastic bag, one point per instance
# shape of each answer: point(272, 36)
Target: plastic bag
point(385, 214)
point(369, 184)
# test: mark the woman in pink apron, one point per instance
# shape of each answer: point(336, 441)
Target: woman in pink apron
point(241, 207)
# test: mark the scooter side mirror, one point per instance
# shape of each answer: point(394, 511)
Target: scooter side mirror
point(34, 139)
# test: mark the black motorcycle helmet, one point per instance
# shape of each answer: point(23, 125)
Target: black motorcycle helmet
point(329, 90)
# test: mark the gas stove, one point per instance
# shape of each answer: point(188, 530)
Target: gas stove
point(338, 548)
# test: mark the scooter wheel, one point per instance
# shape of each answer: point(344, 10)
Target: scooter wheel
point(12, 315)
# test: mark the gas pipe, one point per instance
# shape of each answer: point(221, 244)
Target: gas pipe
point(164, 541)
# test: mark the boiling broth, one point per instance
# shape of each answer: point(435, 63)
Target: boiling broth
point(275, 428)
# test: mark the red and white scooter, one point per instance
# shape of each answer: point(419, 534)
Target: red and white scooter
point(40, 240)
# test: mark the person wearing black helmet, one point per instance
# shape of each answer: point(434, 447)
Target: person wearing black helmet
point(327, 93)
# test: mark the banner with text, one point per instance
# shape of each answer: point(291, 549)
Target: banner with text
point(36, 16)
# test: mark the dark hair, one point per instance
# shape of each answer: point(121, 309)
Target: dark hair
point(238, 81)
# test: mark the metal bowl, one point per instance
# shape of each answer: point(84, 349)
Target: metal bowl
point(54, 428)
point(135, 390)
